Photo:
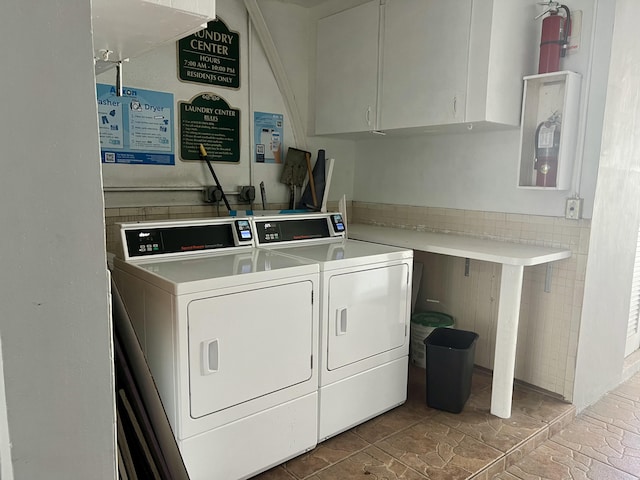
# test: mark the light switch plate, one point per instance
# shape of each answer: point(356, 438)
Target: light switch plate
point(573, 209)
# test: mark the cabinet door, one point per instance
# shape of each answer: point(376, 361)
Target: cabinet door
point(347, 70)
point(424, 62)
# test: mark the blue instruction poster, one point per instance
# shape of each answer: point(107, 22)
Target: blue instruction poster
point(267, 128)
point(137, 127)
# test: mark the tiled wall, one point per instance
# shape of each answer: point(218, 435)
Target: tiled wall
point(549, 322)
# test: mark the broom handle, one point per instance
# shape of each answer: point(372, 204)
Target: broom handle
point(312, 182)
point(203, 154)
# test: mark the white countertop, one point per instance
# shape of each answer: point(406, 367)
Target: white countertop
point(508, 253)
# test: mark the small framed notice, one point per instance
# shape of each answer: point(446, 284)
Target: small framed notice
point(208, 119)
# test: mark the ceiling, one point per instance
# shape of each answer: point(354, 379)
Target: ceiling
point(305, 3)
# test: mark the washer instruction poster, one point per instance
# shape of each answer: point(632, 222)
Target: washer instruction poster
point(137, 127)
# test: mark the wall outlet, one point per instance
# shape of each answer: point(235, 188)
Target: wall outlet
point(246, 194)
point(212, 195)
point(573, 209)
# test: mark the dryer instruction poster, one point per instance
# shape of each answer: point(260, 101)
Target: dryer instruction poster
point(267, 129)
point(137, 127)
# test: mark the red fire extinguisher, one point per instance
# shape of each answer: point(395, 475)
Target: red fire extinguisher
point(555, 37)
point(547, 149)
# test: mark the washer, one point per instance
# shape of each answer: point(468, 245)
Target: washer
point(230, 333)
point(365, 305)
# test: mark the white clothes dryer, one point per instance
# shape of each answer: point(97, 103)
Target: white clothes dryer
point(365, 305)
point(230, 333)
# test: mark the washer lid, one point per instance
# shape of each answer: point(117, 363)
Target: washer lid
point(180, 275)
point(347, 253)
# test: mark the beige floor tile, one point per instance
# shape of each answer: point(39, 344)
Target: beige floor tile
point(561, 422)
point(538, 442)
point(371, 463)
point(516, 454)
point(539, 406)
point(491, 470)
point(603, 442)
point(277, 473)
point(503, 434)
point(617, 411)
point(325, 454)
point(438, 451)
point(555, 462)
point(388, 424)
point(630, 389)
point(503, 476)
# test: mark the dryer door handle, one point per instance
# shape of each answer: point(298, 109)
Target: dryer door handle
point(341, 321)
point(210, 356)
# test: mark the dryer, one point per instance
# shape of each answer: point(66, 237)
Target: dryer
point(230, 333)
point(365, 305)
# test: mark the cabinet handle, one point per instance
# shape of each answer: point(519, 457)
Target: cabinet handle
point(368, 115)
point(455, 106)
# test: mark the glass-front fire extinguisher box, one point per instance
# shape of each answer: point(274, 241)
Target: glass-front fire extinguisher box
point(548, 130)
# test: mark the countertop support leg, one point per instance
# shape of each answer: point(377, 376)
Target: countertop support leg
point(506, 339)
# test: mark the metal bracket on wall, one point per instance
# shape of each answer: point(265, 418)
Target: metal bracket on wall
point(547, 278)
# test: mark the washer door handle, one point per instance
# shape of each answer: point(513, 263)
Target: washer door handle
point(341, 321)
point(210, 350)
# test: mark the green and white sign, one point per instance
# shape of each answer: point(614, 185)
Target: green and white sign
point(208, 119)
point(210, 56)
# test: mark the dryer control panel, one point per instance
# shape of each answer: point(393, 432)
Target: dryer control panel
point(182, 237)
point(307, 228)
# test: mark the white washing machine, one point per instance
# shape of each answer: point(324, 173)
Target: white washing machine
point(365, 305)
point(230, 333)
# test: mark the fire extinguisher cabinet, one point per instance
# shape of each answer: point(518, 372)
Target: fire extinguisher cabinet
point(549, 130)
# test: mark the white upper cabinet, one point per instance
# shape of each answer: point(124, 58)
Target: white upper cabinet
point(424, 58)
point(128, 28)
point(347, 70)
point(441, 65)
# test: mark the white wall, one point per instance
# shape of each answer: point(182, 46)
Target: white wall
point(616, 218)
point(54, 322)
point(6, 465)
point(293, 32)
point(479, 170)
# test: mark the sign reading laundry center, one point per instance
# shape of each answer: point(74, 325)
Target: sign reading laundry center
point(210, 56)
point(209, 120)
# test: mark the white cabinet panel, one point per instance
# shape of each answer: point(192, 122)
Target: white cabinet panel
point(367, 314)
point(128, 28)
point(403, 65)
point(347, 70)
point(425, 53)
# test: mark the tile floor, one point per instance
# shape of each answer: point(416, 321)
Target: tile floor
point(543, 439)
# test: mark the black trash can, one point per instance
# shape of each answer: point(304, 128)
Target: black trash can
point(450, 355)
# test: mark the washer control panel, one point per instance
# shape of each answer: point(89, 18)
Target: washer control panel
point(171, 237)
point(313, 227)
